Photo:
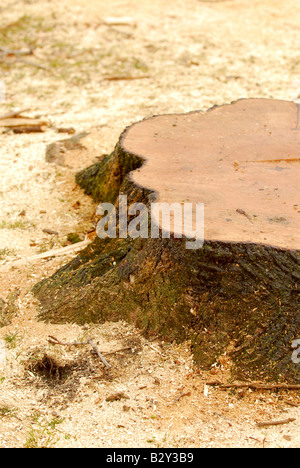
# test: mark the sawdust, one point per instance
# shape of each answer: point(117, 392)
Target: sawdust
point(196, 55)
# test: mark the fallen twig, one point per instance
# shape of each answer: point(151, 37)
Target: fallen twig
point(50, 231)
point(214, 383)
point(153, 349)
point(243, 212)
point(32, 64)
point(55, 341)
point(275, 423)
point(18, 58)
point(16, 53)
point(51, 253)
point(98, 353)
point(13, 114)
point(15, 122)
point(125, 77)
point(255, 386)
point(118, 351)
point(181, 396)
point(261, 442)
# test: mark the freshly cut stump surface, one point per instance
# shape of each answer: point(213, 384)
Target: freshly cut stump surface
point(237, 297)
point(242, 161)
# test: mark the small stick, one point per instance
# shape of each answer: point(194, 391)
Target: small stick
point(253, 438)
point(214, 383)
point(18, 58)
point(275, 423)
point(29, 129)
point(152, 347)
point(52, 253)
point(50, 231)
point(54, 340)
point(263, 442)
point(242, 212)
point(255, 386)
point(117, 351)
point(13, 114)
point(120, 78)
point(291, 403)
point(16, 52)
point(98, 353)
point(32, 64)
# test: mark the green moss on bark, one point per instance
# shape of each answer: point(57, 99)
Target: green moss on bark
point(222, 293)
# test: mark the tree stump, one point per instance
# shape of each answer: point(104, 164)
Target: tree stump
point(239, 292)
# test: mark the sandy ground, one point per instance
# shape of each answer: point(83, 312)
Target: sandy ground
point(179, 56)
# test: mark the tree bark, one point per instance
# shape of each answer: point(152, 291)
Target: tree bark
point(228, 296)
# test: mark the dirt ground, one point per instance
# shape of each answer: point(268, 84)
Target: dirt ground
point(105, 66)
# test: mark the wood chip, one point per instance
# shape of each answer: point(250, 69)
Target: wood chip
point(51, 253)
point(50, 231)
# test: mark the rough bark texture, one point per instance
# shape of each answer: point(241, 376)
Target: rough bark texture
point(223, 292)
